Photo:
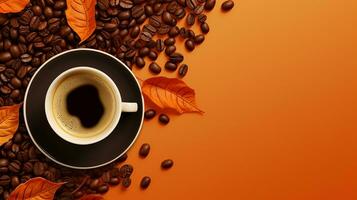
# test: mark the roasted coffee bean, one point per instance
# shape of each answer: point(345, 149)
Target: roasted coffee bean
point(176, 58)
point(155, 21)
point(210, 4)
point(26, 58)
point(170, 50)
point(38, 169)
point(155, 68)
point(183, 70)
point(126, 182)
point(135, 32)
point(139, 61)
point(144, 150)
point(166, 164)
point(114, 181)
point(126, 4)
point(15, 181)
point(204, 27)
point(174, 31)
point(145, 36)
point(202, 18)
point(94, 184)
point(191, 4)
point(167, 18)
point(145, 182)
point(15, 51)
point(34, 22)
point(21, 73)
point(190, 44)
point(152, 55)
point(103, 189)
point(122, 158)
point(149, 114)
point(149, 28)
point(164, 119)
point(160, 45)
point(16, 82)
point(227, 5)
point(36, 10)
point(5, 56)
point(199, 39)
point(4, 180)
point(5, 89)
point(138, 12)
point(148, 10)
point(15, 166)
point(169, 41)
point(144, 51)
point(170, 66)
point(78, 194)
point(190, 19)
point(125, 171)
point(4, 162)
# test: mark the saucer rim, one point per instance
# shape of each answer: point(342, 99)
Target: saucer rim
point(25, 105)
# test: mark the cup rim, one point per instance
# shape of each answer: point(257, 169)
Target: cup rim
point(25, 105)
point(72, 139)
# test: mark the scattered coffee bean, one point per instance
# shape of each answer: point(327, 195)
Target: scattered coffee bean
point(126, 182)
point(199, 39)
point(155, 68)
point(227, 5)
point(170, 50)
point(145, 182)
point(190, 44)
point(152, 55)
point(204, 27)
point(149, 114)
point(144, 150)
point(183, 70)
point(139, 61)
point(170, 66)
point(166, 164)
point(164, 119)
point(210, 4)
point(190, 19)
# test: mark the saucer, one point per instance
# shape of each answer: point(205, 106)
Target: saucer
point(82, 156)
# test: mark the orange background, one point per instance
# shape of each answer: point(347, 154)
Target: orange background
point(277, 80)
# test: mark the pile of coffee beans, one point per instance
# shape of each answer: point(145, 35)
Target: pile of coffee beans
point(20, 161)
point(135, 31)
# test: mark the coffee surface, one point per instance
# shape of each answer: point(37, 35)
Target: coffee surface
point(84, 103)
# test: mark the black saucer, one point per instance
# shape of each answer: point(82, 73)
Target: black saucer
point(82, 156)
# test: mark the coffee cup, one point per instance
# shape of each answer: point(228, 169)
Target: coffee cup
point(83, 105)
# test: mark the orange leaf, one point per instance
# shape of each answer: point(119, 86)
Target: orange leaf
point(9, 120)
point(35, 188)
point(81, 17)
point(92, 197)
point(170, 93)
point(12, 6)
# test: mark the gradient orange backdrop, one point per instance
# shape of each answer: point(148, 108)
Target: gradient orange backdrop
point(277, 80)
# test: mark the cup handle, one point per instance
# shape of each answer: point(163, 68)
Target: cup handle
point(129, 107)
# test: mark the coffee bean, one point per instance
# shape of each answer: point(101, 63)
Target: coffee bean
point(167, 18)
point(155, 21)
point(36, 10)
point(190, 44)
point(138, 12)
point(204, 27)
point(152, 55)
point(145, 36)
point(166, 164)
point(170, 50)
point(190, 19)
point(164, 119)
point(183, 70)
point(160, 45)
point(139, 61)
point(26, 58)
point(176, 58)
point(5, 89)
point(15, 181)
point(78, 194)
point(15, 166)
point(114, 181)
point(170, 66)
point(94, 184)
point(210, 5)
point(125, 171)
point(227, 5)
point(103, 189)
point(38, 168)
point(126, 182)
point(145, 182)
point(169, 41)
point(5, 56)
point(4, 180)
point(4, 162)
point(148, 10)
point(21, 73)
point(126, 4)
point(173, 32)
point(199, 39)
point(144, 150)
point(144, 51)
point(155, 68)
point(135, 32)
point(149, 114)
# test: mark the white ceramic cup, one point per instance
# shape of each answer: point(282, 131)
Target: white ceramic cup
point(117, 107)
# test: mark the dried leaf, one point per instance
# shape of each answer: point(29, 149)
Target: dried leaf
point(170, 93)
point(81, 17)
point(35, 189)
point(9, 120)
point(92, 197)
point(12, 6)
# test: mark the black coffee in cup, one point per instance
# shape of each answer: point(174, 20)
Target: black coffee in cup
point(84, 102)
